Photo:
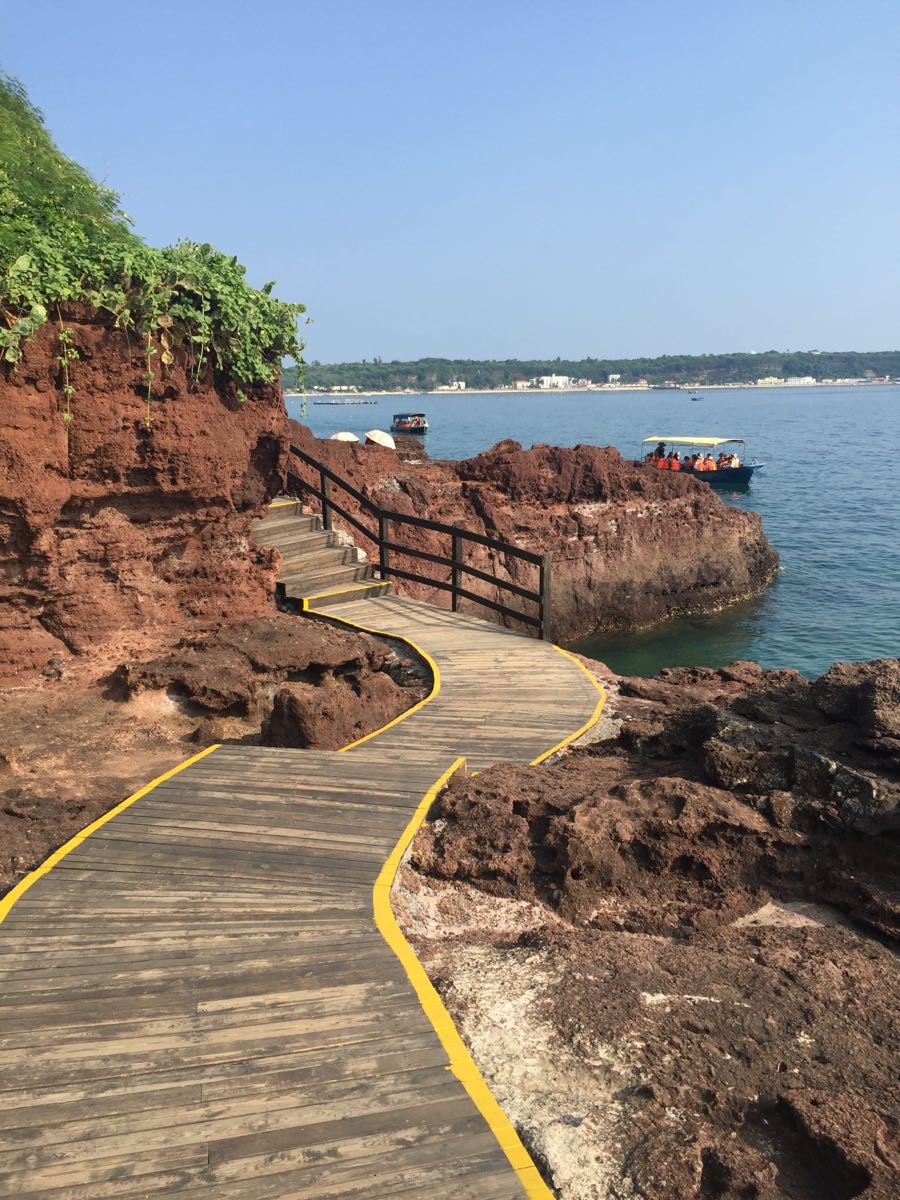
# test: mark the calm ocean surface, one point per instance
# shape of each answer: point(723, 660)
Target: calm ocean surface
point(829, 498)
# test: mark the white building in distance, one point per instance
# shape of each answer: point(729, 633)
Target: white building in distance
point(553, 381)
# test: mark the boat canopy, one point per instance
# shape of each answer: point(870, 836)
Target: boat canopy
point(693, 441)
point(409, 416)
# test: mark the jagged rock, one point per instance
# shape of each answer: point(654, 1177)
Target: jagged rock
point(746, 769)
point(867, 694)
point(857, 799)
point(235, 669)
point(330, 715)
point(694, 811)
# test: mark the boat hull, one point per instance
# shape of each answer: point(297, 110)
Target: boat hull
point(727, 476)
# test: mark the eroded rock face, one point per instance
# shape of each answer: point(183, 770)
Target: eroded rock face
point(722, 787)
point(106, 524)
point(334, 712)
point(630, 545)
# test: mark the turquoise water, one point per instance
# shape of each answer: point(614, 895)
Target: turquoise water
point(828, 497)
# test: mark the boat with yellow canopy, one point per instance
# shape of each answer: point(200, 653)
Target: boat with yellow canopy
point(652, 448)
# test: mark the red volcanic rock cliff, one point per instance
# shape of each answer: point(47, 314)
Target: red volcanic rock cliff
point(106, 524)
point(630, 545)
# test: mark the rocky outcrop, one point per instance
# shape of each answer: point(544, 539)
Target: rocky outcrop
point(107, 523)
point(296, 683)
point(721, 785)
point(630, 545)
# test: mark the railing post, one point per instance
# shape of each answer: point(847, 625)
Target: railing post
point(325, 488)
point(545, 597)
point(384, 536)
point(456, 555)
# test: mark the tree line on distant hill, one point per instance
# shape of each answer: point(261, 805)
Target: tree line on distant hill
point(425, 374)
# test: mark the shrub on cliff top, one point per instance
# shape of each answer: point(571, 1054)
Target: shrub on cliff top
point(64, 238)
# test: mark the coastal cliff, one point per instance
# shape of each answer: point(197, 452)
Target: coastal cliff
point(110, 524)
point(630, 546)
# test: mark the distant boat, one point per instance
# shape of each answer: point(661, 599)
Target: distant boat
point(696, 398)
point(409, 423)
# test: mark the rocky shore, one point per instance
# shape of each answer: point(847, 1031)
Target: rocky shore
point(673, 951)
point(630, 545)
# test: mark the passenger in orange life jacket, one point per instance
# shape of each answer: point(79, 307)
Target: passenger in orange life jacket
point(675, 464)
point(662, 463)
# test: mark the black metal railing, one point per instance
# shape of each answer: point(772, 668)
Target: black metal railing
point(454, 562)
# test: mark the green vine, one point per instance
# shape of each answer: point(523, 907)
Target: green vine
point(67, 354)
point(64, 239)
point(148, 379)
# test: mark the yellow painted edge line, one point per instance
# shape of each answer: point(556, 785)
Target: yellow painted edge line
point(17, 892)
point(396, 637)
point(461, 1062)
point(281, 503)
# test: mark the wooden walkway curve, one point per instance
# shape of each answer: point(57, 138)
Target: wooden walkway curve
point(196, 1001)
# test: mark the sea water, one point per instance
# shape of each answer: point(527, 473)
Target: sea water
point(829, 497)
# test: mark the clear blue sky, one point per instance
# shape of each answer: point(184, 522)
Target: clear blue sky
point(504, 178)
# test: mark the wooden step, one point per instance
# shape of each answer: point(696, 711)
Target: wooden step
point(313, 582)
point(357, 591)
point(285, 504)
point(277, 523)
point(307, 539)
point(305, 562)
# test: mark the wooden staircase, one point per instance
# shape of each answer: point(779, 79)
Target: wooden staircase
point(315, 563)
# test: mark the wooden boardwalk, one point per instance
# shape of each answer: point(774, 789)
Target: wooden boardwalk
point(197, 999)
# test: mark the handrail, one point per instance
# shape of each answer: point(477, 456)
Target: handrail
point(455, 561)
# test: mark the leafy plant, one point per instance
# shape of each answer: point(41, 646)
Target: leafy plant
point(64, 238)
point(67, 354)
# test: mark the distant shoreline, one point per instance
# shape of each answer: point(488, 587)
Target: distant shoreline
point(599, 388)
